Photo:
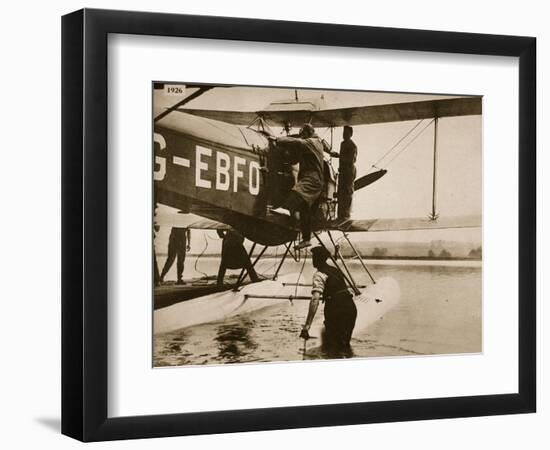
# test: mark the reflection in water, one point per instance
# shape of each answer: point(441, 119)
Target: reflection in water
point(325, 353)
point(234, 340)
point(439, 313)
point(171, 351)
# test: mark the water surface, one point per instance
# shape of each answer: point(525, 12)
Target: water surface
point(439, 313)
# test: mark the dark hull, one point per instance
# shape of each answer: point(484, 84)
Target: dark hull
point(169, 294)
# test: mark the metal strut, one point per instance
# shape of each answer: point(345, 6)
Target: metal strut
point(182, 102)
point(242, 276)
point(434, 215)
point(282, 260)
point(339, 255)
point(350, 284)
point(359, 257)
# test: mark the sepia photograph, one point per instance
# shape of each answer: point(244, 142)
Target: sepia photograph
point(294, 224)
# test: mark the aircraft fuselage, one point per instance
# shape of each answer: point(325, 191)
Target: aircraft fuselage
point(215, 170)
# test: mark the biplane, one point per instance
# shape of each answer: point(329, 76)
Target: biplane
point(216, 167)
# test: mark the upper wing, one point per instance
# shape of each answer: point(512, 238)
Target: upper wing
point(398, 112)
point(272, 118)
point(360, 115)
point(412, 223)
point(234, 117)
point(189, 221)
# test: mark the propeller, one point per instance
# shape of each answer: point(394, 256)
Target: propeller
point(370, 178)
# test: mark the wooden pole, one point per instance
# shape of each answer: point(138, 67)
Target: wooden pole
point(310, 285)
point(278, 297)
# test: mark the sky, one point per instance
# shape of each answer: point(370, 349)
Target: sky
point(406, 190)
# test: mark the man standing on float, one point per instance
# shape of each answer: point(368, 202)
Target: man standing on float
point(346, 174)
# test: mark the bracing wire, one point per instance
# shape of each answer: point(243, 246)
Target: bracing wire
point(410, 142)
point(325, 133)
point(397, 143)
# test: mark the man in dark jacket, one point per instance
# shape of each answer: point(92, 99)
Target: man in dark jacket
point(234, 255)
point(307, 150)
point(340, 310)
point(346, 174)
point(178, 243)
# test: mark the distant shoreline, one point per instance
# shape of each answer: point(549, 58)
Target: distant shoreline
point(420, 258)
point(366, 258)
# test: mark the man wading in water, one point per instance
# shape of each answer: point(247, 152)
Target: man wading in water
point(340, 311)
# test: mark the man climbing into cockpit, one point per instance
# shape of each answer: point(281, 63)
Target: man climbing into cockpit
point(307, 150)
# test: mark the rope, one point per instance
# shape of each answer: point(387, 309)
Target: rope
point(206, 237)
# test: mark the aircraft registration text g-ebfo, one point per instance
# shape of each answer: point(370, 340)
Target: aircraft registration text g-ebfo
point(206, 172)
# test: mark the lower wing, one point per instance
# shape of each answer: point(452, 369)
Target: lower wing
point(189, 221)
point(410, 223)
point(354, 225)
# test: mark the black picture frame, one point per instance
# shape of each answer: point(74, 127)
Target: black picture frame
point(84, 224)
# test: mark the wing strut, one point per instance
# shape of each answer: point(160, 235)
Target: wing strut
point(337, 254)
point(187, 99)
point(371, 177)
point(242, 275)
point(358, 255)
point(350, 283)
point(282, 260)
point(245, 272)
point(434, 215)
